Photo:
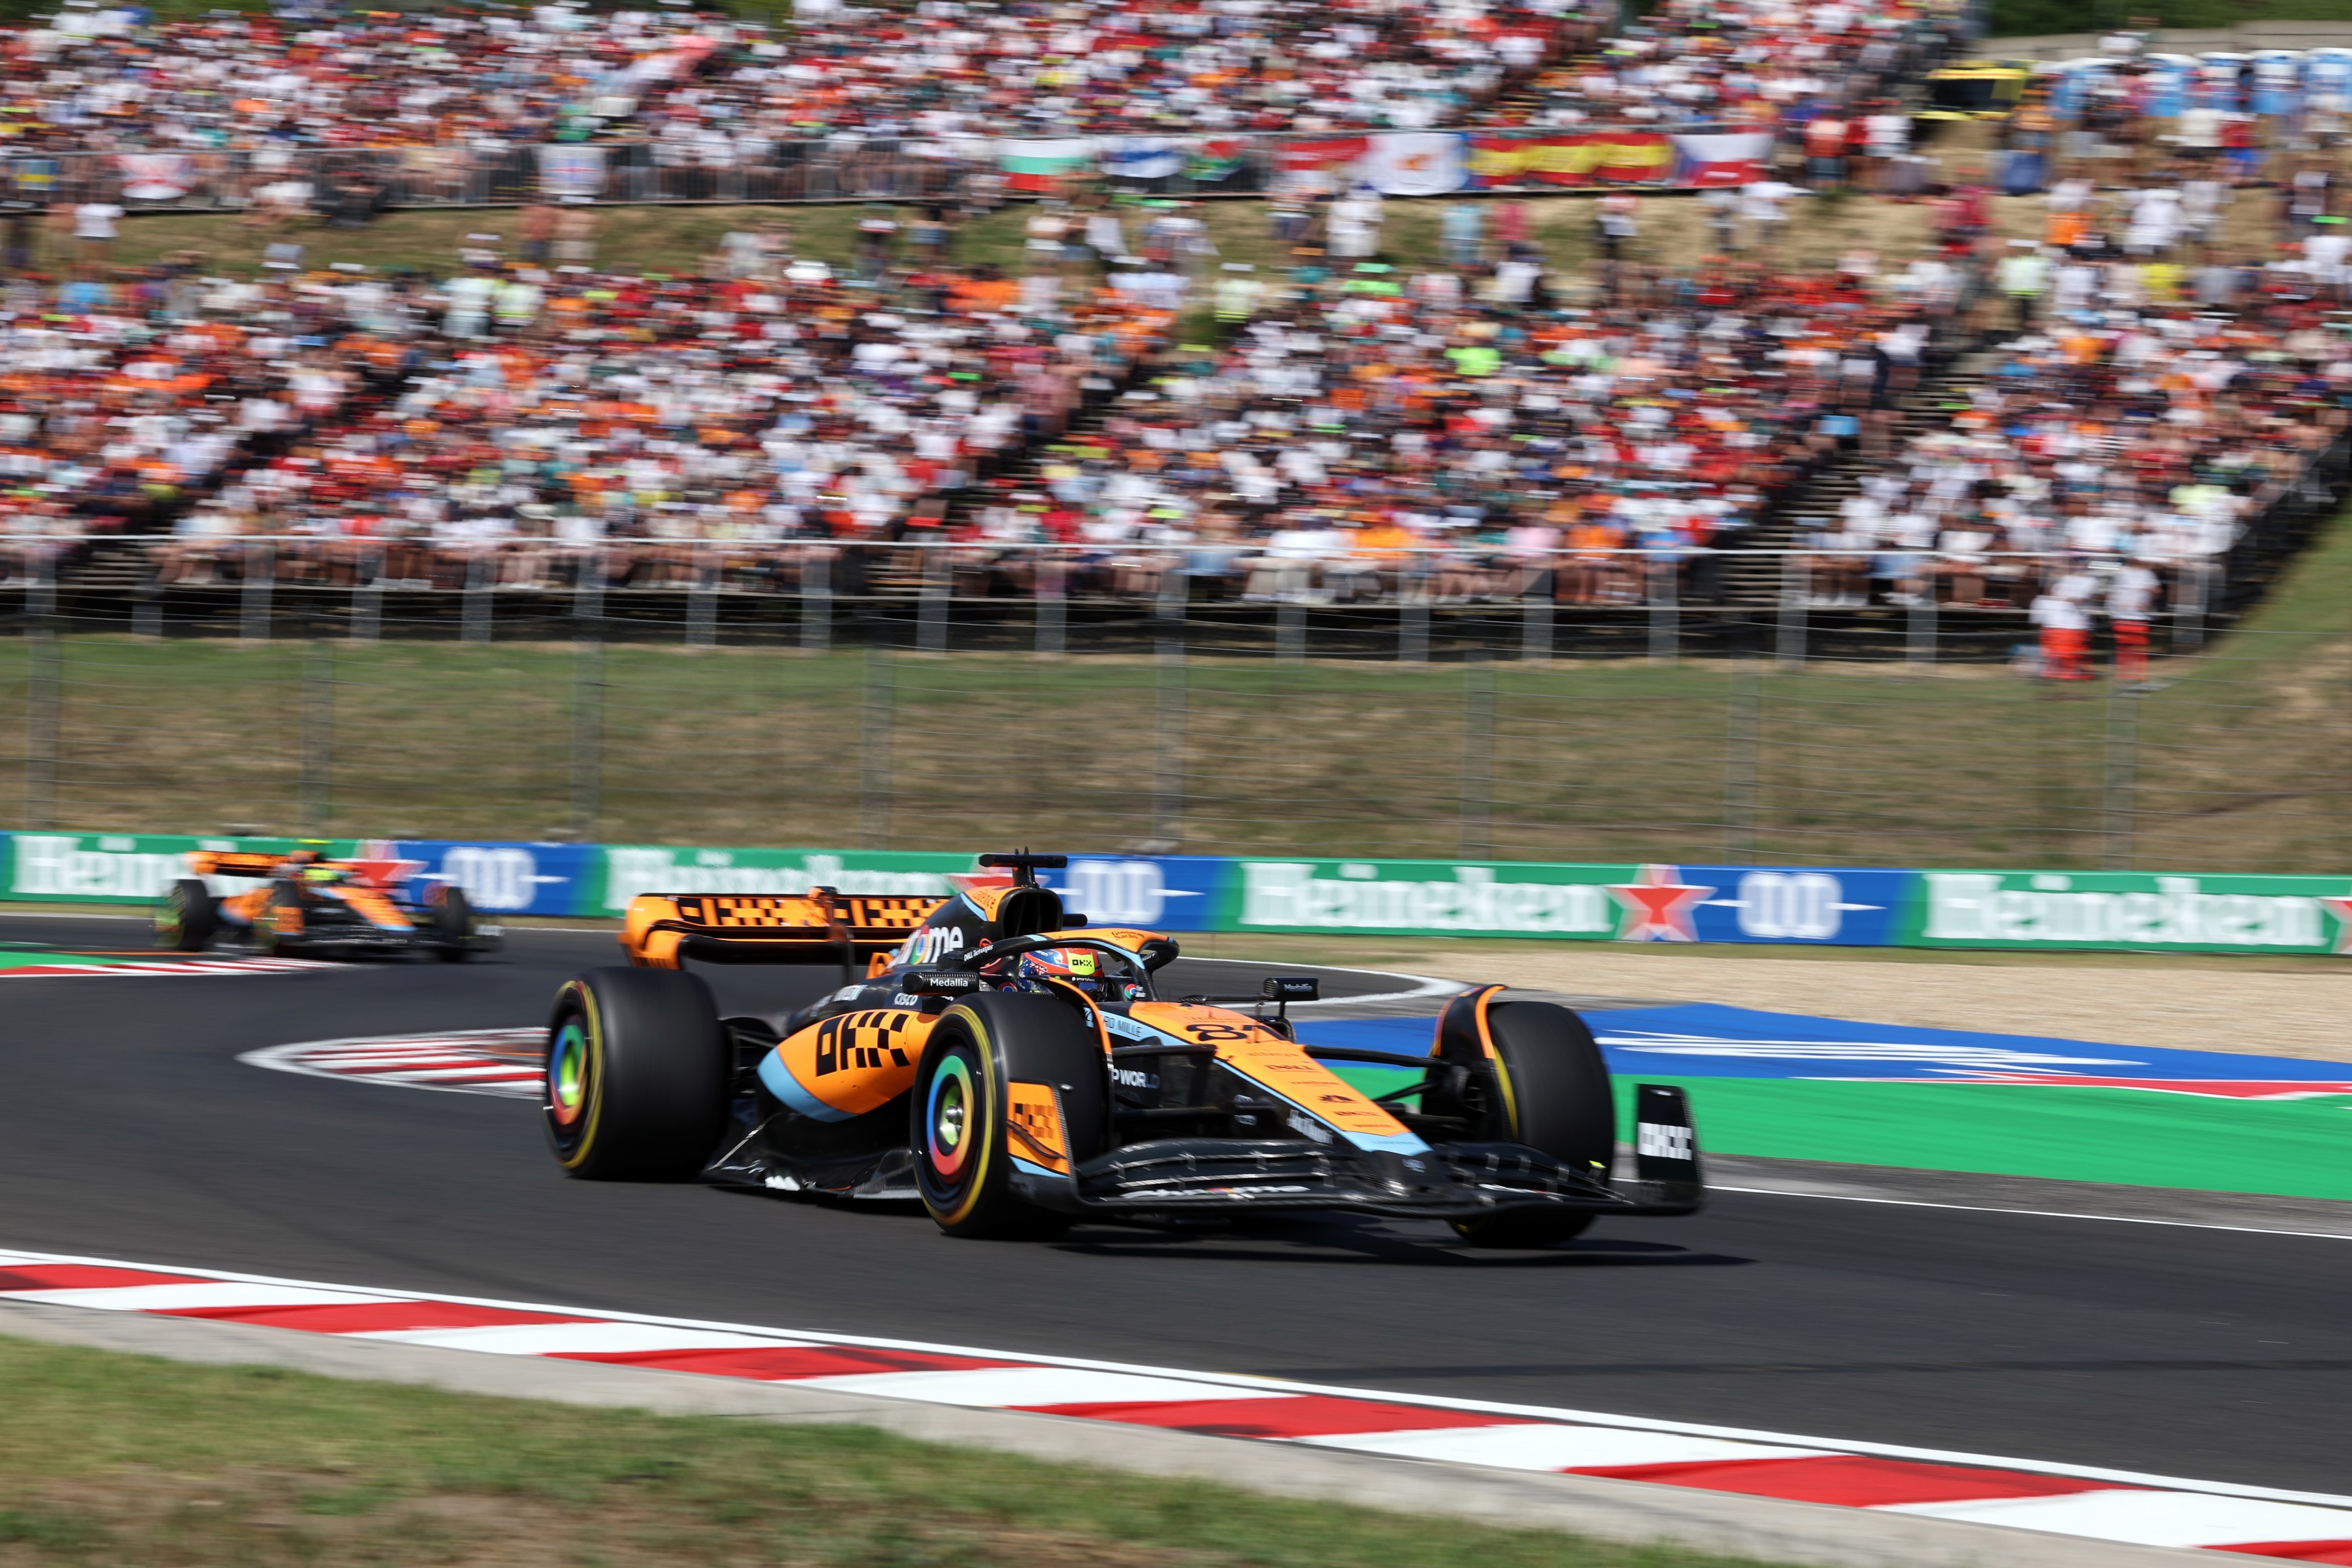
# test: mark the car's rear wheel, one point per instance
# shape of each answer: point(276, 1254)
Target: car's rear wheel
point(637, 1076)
point(188, 917)
point(1548, 1089)
point(453, 925)
point(964, 1135)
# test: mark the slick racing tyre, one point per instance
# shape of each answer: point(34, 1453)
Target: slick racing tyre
point(1549, 1091)
point(637, 1076)
point(452, 916)
point(964, 1136)
point(188, 917)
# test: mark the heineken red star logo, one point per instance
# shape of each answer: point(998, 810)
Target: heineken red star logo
point(1658, 904)
point(2342, 909)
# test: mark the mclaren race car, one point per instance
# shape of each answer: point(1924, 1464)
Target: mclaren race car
point(311, 905)
point(1015, 1070)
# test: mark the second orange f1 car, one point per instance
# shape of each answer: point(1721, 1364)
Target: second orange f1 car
point(1016, 1070)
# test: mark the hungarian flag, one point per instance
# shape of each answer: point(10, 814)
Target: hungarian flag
point(1036, 165)
point(1722, 157)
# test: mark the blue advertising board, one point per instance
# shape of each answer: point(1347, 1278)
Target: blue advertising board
point(1157, 892)
point(514, 878)
point(1811, 906)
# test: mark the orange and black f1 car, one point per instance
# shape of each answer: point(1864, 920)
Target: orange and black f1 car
point(1017, 1069)
point(306, 904)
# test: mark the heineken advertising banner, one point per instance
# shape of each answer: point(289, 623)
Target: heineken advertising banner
point(2108, 910)
point(1823, 906)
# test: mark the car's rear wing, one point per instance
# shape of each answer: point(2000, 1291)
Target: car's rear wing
point(664, 930)
point(235, 862)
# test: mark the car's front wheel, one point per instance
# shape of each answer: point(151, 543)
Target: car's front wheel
point(1005, 1077)
point(637, 1076)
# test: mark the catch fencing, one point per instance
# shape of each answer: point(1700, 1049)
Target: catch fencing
point(1513, 725)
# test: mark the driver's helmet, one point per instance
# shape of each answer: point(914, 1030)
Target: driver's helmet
point(317, 876)
point(1080, 966)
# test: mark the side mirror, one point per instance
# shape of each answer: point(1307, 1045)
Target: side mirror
point(1158, 953)
point(1292, 988)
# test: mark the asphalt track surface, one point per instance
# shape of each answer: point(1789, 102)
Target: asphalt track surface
point(128, 1130)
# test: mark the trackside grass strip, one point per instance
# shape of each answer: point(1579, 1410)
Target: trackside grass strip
point(112, 1459)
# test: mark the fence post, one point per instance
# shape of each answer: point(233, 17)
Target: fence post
point(367, 600)
point(2119, 803)
point(1536, 617)
point(1412, 612)
point(816, 602)
point(1477, 757)
point(43, 678)
point(875, 718)
point(1796, 572)
point(2189, 613)
point(1052, 604)
point(1742, 757)
point(317, 734)
point(253, 599)
point(147, 607)
point(1290, 631)
point(588, 731)
point(702, 600)
point(1666, 609)
point(1920, 627)
point(477, 599)
point(1168, 774)
point(938, 581)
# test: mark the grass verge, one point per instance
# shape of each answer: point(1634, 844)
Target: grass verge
point(115, 1459)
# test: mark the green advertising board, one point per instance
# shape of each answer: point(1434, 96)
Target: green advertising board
point(1457, 898)
point(2111, 910)
point(114, 868)
point(634, 868)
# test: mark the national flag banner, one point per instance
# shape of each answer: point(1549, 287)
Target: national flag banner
point(1322, 154)
point(36, 176)
point(1416, 162)
point(1722, 157)
point(1217, 159)
point(570, 169)
point(1143, 157)
point(1035, 165)
point(156, 176)
point(1572, 158)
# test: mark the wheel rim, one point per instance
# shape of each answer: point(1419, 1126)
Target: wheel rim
point(947, 1119)
point(567, 1076)
point(167, 922)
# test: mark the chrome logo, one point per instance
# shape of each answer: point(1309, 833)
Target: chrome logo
point(948, 1117)
point(567, 1074)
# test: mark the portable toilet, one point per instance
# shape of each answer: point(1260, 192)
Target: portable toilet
point(2070, 86)
point(2219, 78)
point(2167, 79)
point(2278, 81)
point(2327, 70)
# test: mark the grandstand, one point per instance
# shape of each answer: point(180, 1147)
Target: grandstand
point(2036, 396)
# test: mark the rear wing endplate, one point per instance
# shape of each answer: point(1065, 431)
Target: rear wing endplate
point(664, 930)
